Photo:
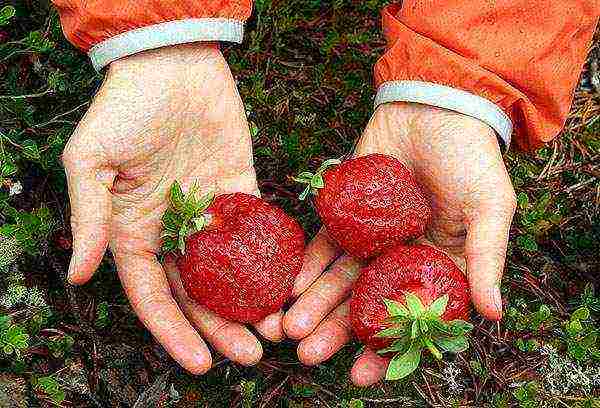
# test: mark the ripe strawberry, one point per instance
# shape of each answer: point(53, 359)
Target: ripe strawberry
point(408, 299)
point(368, 204)
point(238, 255)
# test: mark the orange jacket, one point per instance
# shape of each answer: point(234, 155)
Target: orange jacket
point(512, 63)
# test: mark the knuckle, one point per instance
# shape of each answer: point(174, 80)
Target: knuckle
point(217, 329)
point(146, 301)
point(342, 323)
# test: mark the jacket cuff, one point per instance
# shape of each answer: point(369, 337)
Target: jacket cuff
point(165, 34)
point(441, 96)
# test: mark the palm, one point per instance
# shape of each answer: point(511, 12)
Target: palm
point(455, 159)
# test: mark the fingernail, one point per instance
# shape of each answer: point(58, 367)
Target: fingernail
point(71, 271)
point(497, 300)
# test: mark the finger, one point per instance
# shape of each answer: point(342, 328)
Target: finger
point(231, 339)
point(322, 297)
point(368, 369)
point(89, 180)
point(485, 252)
point(146, 286)
point(271, 327)
point(328, 337)
point(320, 252)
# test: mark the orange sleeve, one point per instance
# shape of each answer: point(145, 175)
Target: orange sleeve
point(524, 56)
point(114, 28)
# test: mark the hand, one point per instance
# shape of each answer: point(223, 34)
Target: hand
point(458, 162)
point(162, 115)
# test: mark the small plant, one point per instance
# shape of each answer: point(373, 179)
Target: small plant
point(528, 321)
point(528, 345)
point(535, 219)
point(248, 391)
point(588, 299)
point(6, 13)
point(13, 338)
point(580, 336)
point(60, 346)
point(526, 395)
point(416, 328)
point(102, 315)
point(51, 388)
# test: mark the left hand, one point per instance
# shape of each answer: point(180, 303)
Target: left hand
point(457, 160)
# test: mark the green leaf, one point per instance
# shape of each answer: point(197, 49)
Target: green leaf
point(582, 313)
point(205, 202)
point(184, 217)
point(328, 163)
point(4, 322)
point(6, 13)
point(460, 327)
point(356, 403)
point(423, 326)
point(317, 181)
point(305, 176)
point(543, 314)
point(199, 223)
point(31, 149)
point(399, 346)
point(393, 332)
point(414, 330)
point(304, 194)
point(523, 200)
point(527, 242)
point(176, 195)
point(403, 365)
point(432, 348)
point(414, 305)
point(441, 326)
point(396, 308)
point(171, 221)
point(439, 306)
point(452, 344)
point(574, 327)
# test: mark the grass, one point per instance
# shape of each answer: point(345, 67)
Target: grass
point(304, 73)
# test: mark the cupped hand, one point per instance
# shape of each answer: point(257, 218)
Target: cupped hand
point(162, 115)
point(457, 160)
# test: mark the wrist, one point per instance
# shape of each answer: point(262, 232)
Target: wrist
point(172, 59)
point(425, 123)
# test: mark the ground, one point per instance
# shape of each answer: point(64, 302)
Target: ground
point(304, 73)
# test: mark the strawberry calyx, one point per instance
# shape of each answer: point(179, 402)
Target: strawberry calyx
point(416, 328)
point(314, 180)
point(184, 217)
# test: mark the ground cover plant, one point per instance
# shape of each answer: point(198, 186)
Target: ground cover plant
point(304, 73)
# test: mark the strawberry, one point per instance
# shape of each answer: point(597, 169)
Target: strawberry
point(367, 204)
point(237, 255)
point(409, 299)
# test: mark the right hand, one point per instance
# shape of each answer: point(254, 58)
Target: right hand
point(161, 115)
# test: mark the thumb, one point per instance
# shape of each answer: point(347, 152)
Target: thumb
point(485, 252)
point(89, 181)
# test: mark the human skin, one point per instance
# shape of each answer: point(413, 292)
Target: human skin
point(162, 115)
point(457, 160)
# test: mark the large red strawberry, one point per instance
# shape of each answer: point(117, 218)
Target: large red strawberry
point(237, 254)
point(411, 298)
point(368, 204)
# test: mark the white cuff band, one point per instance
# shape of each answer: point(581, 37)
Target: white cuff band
point(164, 34)
point(441, 96)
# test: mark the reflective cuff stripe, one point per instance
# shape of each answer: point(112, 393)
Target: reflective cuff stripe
point(441, 96)
point(164, 34)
